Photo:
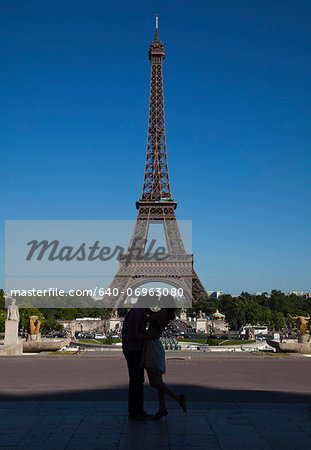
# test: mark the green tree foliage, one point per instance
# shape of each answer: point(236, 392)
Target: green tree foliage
point(2, 311)
point(50, 325)
point(2, 300)
point(246, 309)
point(2, 320)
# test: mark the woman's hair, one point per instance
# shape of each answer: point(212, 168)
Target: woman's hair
point(170, 313)
point(168, 304)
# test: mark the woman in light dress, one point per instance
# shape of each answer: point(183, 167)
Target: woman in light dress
point(153, 358)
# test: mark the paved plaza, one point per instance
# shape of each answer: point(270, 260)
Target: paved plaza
point(234, 401)
point(104, 425)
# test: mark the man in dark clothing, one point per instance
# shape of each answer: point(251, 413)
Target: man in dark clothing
point(133, 334)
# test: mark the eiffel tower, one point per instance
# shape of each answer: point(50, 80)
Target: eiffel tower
point(157, 206)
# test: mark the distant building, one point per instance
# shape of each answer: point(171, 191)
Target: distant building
point(217, 323)
point(218, 316)
point(214, 324)
point(214, 294)
point(305, 294)
point(91, 325)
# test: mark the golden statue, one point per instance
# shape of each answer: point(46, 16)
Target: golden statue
point(34, 324)
point(302, 323)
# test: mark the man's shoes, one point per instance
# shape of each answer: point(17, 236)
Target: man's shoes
point(146, 415)
point(137, 418)
point(142, 417)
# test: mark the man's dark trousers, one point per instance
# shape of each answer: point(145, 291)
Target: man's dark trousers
point(136, 385)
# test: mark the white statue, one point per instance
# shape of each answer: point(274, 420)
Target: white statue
point(115, 314)
point(13, 312)
point(11, 326)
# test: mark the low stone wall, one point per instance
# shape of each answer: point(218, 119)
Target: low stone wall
point(289, 347)
point(16, 349)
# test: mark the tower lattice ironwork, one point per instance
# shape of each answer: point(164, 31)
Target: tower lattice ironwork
point(157, 206)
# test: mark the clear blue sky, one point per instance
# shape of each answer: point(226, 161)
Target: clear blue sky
point(74, 107)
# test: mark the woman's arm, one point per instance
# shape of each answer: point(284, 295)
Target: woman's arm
point(145, 315)
point(152, 334)
point(157, 324)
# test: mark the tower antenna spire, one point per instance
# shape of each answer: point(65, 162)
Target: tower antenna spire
point(157, 27)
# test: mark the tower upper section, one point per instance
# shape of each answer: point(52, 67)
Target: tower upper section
point(156, 187)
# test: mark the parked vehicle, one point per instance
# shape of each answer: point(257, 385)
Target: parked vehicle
point(59, 335)
point(81, 335)
point(100, 336)
point(259, 329)
point(88, 336)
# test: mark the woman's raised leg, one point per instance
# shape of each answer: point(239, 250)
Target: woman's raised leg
point(157, 382)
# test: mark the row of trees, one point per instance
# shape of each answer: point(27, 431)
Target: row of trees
point(272, 311)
